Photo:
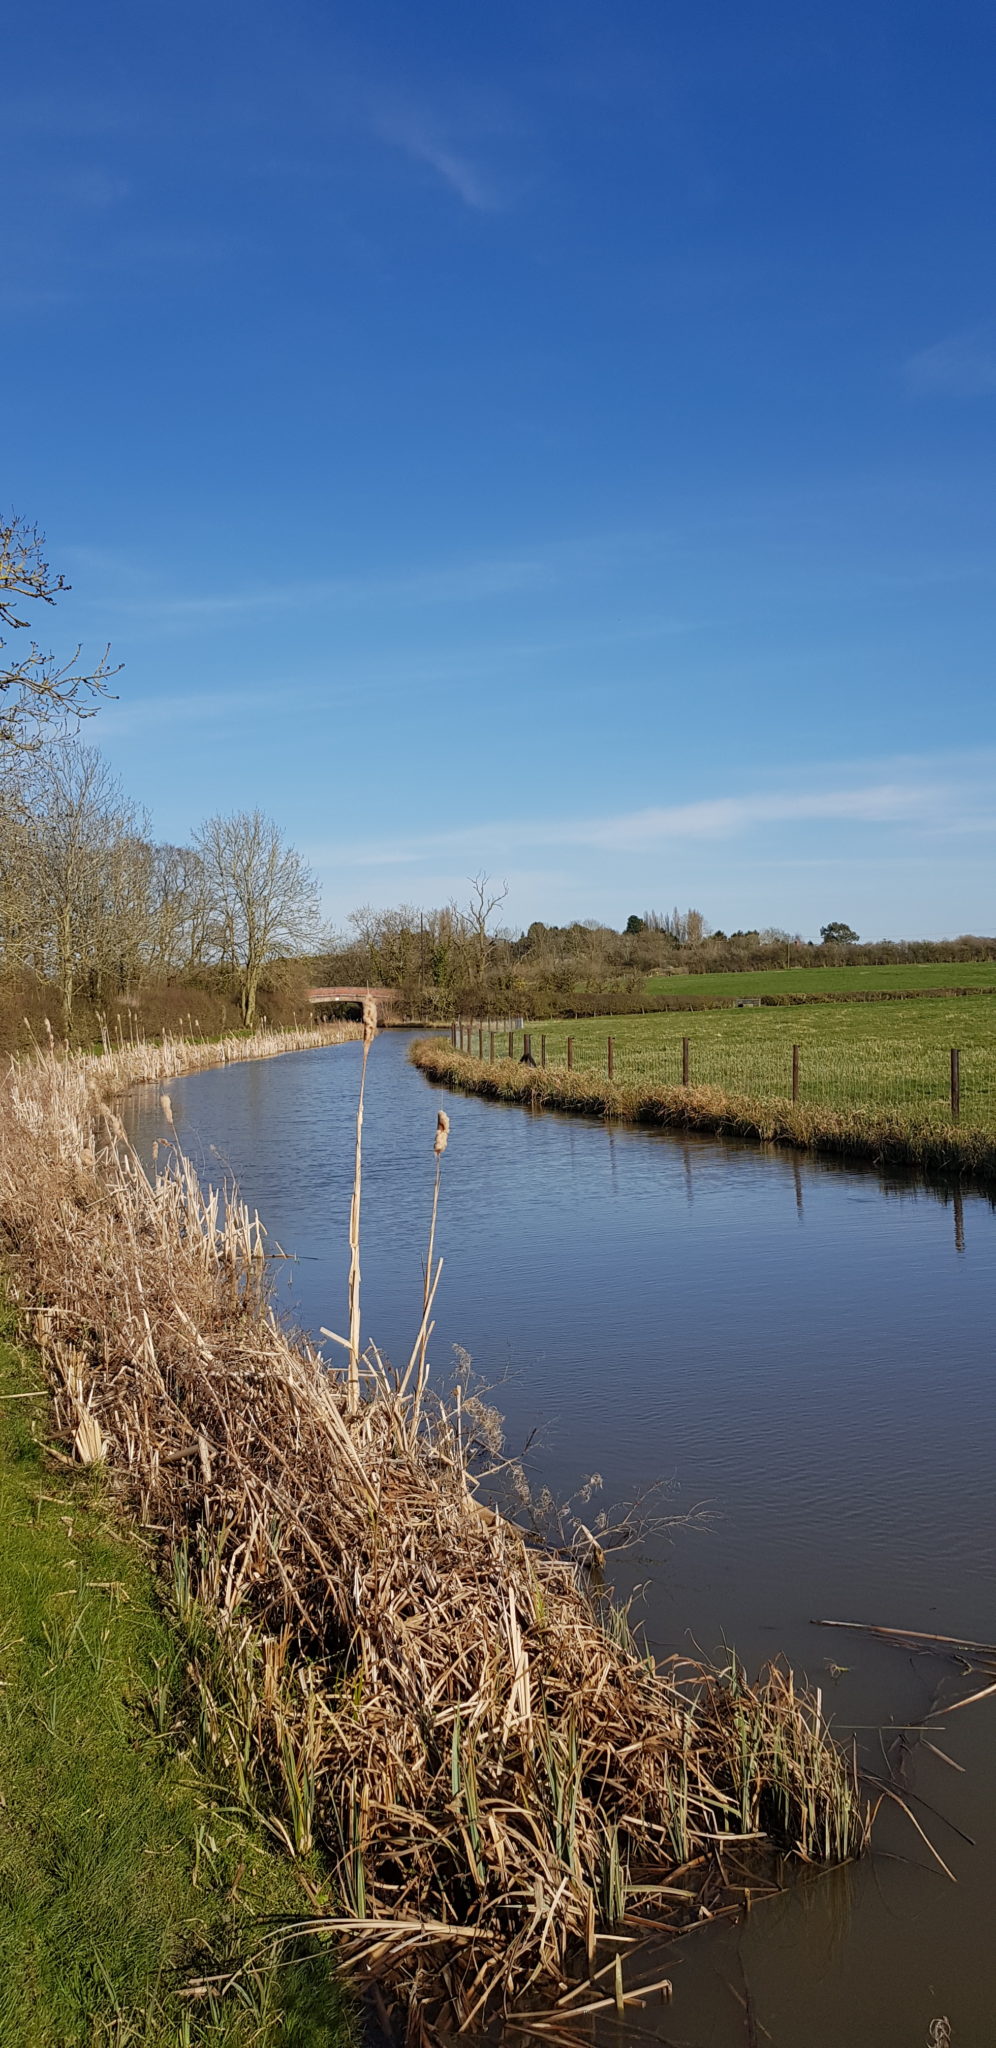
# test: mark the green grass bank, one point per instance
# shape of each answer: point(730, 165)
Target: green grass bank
point(123, 1879)
point(893, 1059)
point(828, 981)
point(899, 1139)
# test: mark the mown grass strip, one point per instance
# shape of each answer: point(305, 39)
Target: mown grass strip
point(121, 1877)
point(895, 1139)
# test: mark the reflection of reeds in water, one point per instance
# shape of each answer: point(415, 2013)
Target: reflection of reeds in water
point(895, 1137)
point(388, 1672)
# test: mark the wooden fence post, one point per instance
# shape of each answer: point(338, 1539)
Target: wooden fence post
point(570, 1054)
point(795, 1073)
point(527, 1045)
point(480, 1042)
point(685, 1062)
point(491, 1047)
point(453, 1032)
point(955, 1084)
point(612, 1064)
point(542, 1048)
point(511, 1045)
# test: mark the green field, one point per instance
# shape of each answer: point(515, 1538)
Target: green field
point(121, 1875)
point(874, 1055)
point(800, 981)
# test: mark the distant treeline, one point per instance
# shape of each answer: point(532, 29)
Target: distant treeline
point(100, 924)
point(454, 962)
point(716, 956)
point(102, 928)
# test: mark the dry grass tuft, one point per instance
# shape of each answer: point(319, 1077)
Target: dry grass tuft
point(389, 1671)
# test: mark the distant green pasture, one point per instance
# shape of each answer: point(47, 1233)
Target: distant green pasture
point(881, 1055)
point(826, 980)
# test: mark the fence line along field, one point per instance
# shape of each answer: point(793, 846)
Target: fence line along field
point(852, 1056)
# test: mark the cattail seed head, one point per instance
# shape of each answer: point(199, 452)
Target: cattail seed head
point(167, 1109)
point(369, 1020)
point(442, 1132)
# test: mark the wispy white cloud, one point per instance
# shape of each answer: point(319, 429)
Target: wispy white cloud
point(120, 719)
point(459, 583)
point(91, 188)
point(960, 366)
point(726, 817)
point(422, 139)
point(56, 115)
point(135, 588)
point(954, 798)
point(26, 298)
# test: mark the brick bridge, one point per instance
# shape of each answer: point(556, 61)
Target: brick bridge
point(386, 999)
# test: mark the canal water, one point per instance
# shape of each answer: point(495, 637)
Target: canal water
point(802, 1353)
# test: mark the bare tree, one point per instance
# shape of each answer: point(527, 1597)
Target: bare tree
point(36, 691)
point(263, 897)
point(180, 930)
point(483, 905)
point(21, 941)
point(80, 861)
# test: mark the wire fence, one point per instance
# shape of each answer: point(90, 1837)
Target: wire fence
point(942, 1084)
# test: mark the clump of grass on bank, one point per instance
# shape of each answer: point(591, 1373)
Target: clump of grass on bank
point(390, 1673)
point(121, 1879)
point(894, 1139)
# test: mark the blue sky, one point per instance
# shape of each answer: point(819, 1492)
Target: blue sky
point(553, 438)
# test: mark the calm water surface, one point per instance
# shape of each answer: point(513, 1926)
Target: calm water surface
point(802, 1352)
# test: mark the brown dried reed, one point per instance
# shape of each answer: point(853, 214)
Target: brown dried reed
point(389, 1671)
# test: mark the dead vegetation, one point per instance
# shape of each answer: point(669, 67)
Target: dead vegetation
point(502, 1790)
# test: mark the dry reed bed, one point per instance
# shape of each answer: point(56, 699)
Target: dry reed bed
point(391, 1674)
point(906, 1139)
point(133, 1061)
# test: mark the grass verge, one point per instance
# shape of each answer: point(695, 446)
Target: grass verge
point(121, 1877)
point(894, 1139)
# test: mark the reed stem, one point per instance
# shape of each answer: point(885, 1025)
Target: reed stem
point(353, 1371)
